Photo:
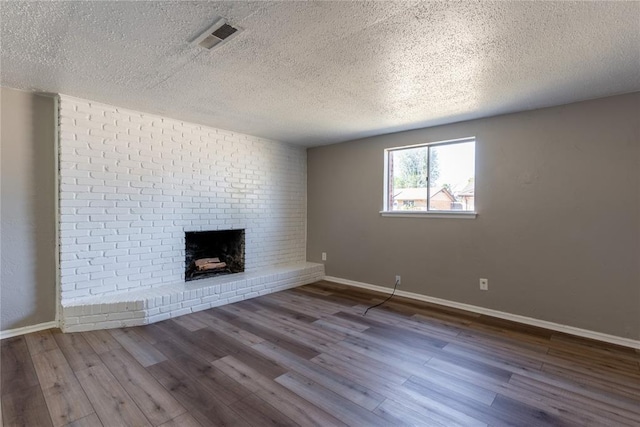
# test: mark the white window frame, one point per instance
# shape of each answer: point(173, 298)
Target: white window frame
point(428, 213)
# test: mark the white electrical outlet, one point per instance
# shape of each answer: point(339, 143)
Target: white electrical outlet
point(484, 284)
point(398, 280)
point(324, 256)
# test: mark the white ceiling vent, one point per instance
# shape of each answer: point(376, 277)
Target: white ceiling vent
point(217, 34)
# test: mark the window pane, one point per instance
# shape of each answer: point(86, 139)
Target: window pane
point(452, 177)
point(408, 179)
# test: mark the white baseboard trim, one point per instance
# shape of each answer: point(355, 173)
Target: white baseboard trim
point(585, 333)
point(27, 329)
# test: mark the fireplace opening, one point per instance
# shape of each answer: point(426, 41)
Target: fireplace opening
point(213, 253)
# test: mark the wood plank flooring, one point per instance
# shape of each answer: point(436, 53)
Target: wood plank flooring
point(307, 357)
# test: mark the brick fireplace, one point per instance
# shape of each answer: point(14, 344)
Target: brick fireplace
point(226, 247)
point(133, 186)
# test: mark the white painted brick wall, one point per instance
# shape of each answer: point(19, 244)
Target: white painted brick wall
point(131, 184)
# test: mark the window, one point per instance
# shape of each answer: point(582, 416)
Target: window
point(437, 177)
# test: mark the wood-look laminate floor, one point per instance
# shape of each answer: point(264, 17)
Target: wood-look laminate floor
point(307, 356)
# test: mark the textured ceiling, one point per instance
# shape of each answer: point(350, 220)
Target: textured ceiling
point(315, 73)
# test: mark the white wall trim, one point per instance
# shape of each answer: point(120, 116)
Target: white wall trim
point(431, 214)
point(585, 333)
point(27, 329)
point(56, 157)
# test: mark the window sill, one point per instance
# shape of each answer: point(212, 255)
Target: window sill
point(418, 214)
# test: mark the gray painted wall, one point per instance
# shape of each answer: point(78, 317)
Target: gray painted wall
point(27, 209)
point(558, 230)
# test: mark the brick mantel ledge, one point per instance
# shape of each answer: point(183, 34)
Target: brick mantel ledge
point(151, 305)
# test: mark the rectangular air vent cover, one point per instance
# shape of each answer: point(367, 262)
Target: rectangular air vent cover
point(215, 35)
point(225, 31)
